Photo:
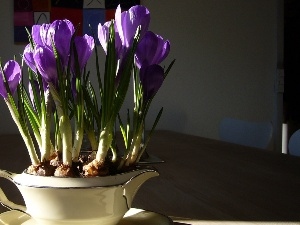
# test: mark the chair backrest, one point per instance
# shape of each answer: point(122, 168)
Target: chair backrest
point(253, 134)
point(294, 144)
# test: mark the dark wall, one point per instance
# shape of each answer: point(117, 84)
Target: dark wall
point(292, 63)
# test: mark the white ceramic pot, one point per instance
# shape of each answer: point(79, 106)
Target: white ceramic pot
point(88, 201)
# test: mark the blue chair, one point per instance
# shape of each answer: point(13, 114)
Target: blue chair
point(247, 133)
point(294, 144)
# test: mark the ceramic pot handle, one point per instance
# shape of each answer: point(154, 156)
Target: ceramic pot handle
point(3, 199)
point(131, 187)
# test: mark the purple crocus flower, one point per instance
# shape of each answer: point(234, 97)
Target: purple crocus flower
point(12, 72)
point(46, 63)
point(151, 78)
point(60, 32)
point(152, 49)
point(127, 23)
point(84, 47)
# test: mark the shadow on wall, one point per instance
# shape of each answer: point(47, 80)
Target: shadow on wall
point(247, 133)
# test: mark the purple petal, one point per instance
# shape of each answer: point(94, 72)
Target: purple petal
point(127, 23)
point(118, 22)
point(151, 78)
point(152, 49)
point(36, 35)
point(31, 93)
point(45, 63)
point(28, 57)
point(103, 31)
point(45, 36)
point(118, 44)
point(84, 47)
point(103, 35)
point(12, 73)
point(146, 50)
point(162, 51)
point(62, 31)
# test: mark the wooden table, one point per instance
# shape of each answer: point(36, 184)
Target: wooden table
point(202, 181)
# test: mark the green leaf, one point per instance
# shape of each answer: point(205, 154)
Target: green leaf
point(108, 95)
point(30, 112)
point(123, 131)
point(125, 76)
point(169, 68)
point(150, 133)
point(57, 100)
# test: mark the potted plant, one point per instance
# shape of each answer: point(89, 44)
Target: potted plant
point(60, 104)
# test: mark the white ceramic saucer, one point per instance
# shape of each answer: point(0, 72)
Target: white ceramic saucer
point(132, 217)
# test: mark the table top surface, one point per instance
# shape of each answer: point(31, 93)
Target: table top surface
point(202, 181)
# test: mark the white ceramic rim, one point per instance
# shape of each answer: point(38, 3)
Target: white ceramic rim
point(29, 180)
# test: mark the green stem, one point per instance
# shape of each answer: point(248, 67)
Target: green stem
point(58, 142)
point(24, 133)
point(105, 141)
point(65, 129)
point(38, 139)
point(45, 134)
point(77, 143)
point(92, 139)
point(66, 136)
point(45, 147)
point(79, 118)
point(135, 147)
